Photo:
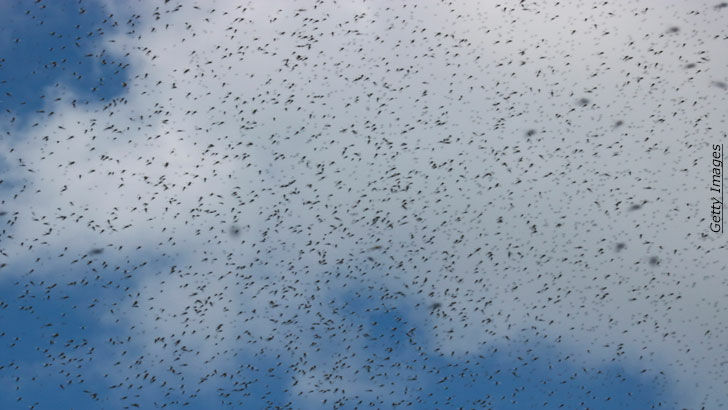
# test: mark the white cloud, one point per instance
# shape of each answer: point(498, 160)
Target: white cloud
point(321, 146)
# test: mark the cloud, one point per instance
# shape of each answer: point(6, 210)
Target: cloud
point(370, 144)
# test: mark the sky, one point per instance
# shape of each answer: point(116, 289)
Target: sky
point(361, 204)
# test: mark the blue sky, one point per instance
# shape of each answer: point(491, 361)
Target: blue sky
point(56, 46)
point(131, 220)
point(503, 375)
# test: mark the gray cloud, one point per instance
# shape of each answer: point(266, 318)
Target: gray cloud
point(475, 146)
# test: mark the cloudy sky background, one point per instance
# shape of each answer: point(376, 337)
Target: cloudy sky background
point(374, 159)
